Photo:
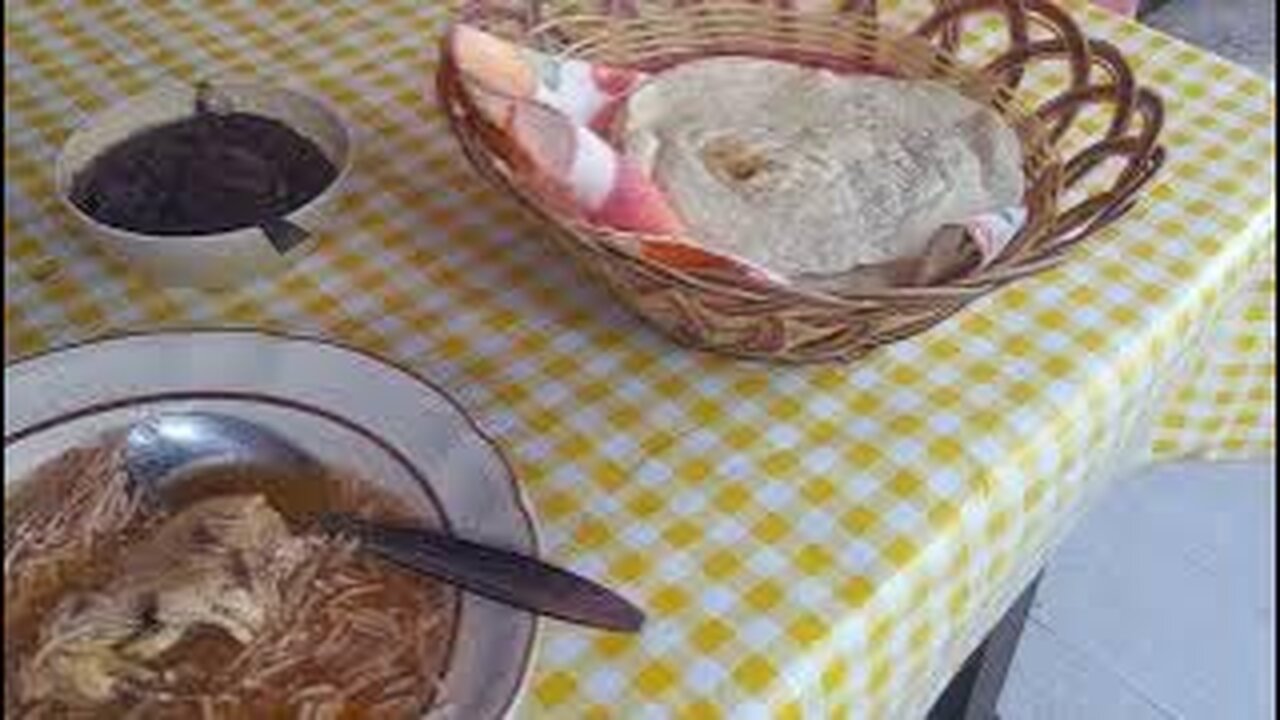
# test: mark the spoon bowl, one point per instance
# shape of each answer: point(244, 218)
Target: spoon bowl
point(164, 452)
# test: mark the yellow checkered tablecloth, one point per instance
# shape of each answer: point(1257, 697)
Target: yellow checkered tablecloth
point(810, 542)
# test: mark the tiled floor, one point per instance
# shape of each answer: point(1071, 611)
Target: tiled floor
point(1160, 605)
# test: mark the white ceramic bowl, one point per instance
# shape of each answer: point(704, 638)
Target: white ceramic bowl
point(346, 407)
point(218, 259)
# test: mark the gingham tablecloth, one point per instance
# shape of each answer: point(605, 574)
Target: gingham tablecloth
point(817, 542)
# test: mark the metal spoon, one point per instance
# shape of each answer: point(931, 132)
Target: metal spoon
point(162, 451)
point(283, 234)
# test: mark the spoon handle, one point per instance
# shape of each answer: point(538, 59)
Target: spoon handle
point(506, 576)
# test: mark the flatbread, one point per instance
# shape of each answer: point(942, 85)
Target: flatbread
point(806, 172)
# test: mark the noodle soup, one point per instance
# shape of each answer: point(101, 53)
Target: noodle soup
point(227, 606)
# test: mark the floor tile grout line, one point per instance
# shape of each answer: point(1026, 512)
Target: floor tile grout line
point(1098, 663)
point(1207, 567)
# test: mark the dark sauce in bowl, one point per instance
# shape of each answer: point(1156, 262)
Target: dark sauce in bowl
point(206, 174)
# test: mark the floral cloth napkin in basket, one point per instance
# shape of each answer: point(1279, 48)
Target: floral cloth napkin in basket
point(552, 115)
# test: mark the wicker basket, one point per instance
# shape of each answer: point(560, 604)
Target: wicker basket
point(783, 321)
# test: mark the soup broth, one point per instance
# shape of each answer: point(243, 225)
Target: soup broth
point(224, 605)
